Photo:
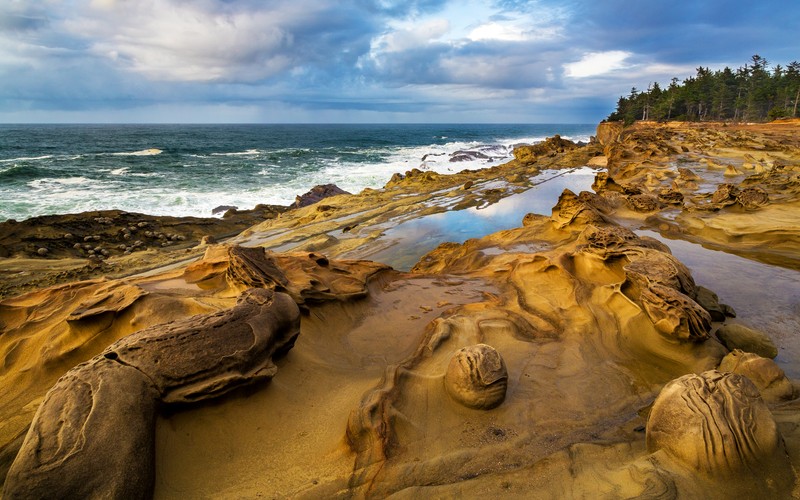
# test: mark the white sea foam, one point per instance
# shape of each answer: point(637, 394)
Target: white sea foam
point(249, 152)
point(26, 158)
point(143, 152)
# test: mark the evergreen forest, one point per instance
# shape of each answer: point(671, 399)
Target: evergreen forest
point(752, 93)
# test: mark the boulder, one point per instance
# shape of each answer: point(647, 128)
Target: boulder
point(736, 336)
point(716, 424)
point(763, 372)
point(476, 377)
point(93, 435)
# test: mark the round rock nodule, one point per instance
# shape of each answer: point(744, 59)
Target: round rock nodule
point(716, 423)
point(477, 377)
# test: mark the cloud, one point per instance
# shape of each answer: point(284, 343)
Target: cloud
point(474, 60)
point(597, 63)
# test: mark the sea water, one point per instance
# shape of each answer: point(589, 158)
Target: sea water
point(191, 169)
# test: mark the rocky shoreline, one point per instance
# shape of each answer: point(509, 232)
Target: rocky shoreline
point(571, 356)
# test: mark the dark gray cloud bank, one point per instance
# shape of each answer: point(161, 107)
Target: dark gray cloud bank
point(365, 60)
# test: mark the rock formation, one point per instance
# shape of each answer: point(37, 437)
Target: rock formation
point(717, 425)
point(94, 434)
point(477, 377)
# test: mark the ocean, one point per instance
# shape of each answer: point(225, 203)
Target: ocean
point(191, 169)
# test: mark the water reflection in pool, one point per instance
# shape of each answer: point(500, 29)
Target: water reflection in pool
point(765, 297)
point(409, 241)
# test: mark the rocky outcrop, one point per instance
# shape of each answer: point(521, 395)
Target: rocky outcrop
point(609, 132)
point(317, 194)
point(93, 436)
point(549, 147)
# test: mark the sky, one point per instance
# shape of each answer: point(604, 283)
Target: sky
point(366, 61)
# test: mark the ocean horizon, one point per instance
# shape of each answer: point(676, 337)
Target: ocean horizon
point(189, 169)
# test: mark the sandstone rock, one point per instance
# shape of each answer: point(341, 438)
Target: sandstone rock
point(674, 314)
point(752, 197)
point(736, 336)
point(717, 424)
point(571, 209)
point(731, 171)
point(710, 302)
point(93, 436)
point(476, 377)
point(609, 132)
point(725, 194)
point(643, 202)
point(763, 372)
point(548, 147)
point(670, 196)
point(317, 193)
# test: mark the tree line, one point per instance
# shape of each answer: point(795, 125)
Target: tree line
point(754, 92)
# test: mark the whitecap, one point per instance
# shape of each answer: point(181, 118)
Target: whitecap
point(249, 152)
point(26, 158)
point(63, 181)
point(143, 152)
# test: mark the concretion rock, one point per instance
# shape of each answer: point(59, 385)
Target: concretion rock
point(93, 436)
point(717, 424)
point(763, 372)
point(476, 377)
point(736, 336)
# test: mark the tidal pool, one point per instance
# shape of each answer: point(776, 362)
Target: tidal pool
point(765, 297)
point(408, 241)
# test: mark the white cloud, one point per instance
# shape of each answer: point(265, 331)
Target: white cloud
point(183, 41)
point(597, 63)
point(497, 31)
point(415, 36)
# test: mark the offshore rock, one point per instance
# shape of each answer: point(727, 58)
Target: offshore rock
point(477, 377)
point(93, 436)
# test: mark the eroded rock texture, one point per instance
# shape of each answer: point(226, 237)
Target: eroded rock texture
point(93, 436)
point(717, 424)
point(477, 377)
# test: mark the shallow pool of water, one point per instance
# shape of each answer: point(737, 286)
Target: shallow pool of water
point(408, 241)
point(765, 297)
